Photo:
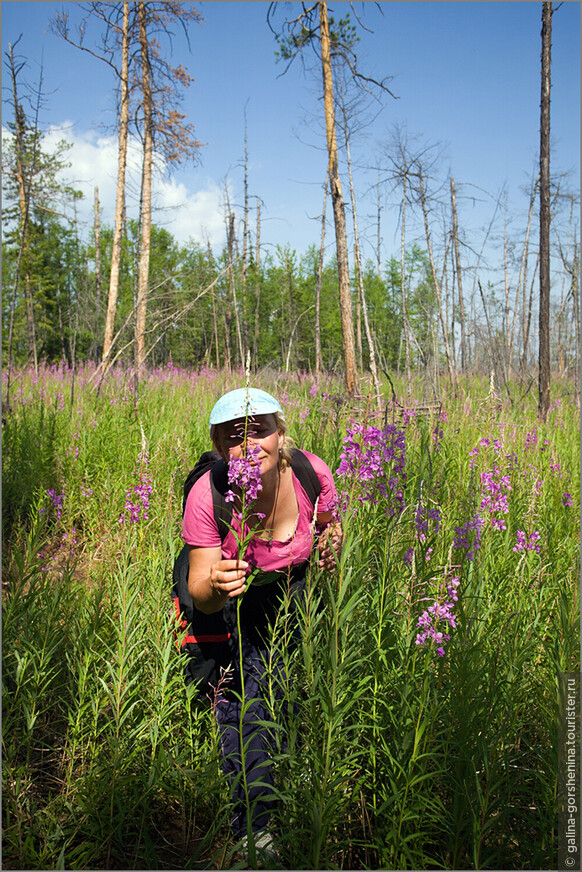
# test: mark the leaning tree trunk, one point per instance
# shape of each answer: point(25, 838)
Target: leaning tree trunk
point(521, 279)
point(544, 310)
point(146, 224)
point(359, 274)
point(339, 217)
point(120, 194)
point(459, 277)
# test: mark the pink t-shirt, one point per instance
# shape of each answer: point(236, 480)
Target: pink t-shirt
point(199, 527)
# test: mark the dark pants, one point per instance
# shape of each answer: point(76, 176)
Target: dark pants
point(258, 744)
point(258, 739)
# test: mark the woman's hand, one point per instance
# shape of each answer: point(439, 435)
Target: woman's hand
point(228, 577)
point(330, 546)
point(212, 580)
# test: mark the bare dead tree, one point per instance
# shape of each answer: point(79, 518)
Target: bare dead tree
point(25, 167)
point(521, 280)
point(361, 292)
point(318, 361)
point(97, 234)
point(403, 285)
point(437, 284)
point(146, 194)
point(311, 28)
point(455, 233)
point(257, 283)
point(544, 305)
point(116, 40)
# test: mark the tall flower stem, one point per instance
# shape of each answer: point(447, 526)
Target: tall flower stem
point(245, 474)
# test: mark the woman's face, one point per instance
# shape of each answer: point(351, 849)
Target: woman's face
point(261, 430)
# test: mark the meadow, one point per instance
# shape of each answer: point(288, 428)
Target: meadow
point(421, 707)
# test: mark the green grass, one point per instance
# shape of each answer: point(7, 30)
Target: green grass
point(394, 757)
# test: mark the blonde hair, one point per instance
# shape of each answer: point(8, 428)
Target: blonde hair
point(284, 451)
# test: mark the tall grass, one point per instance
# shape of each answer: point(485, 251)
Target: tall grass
point(388, 755)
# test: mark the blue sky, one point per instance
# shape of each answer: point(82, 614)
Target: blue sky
point(466, 74)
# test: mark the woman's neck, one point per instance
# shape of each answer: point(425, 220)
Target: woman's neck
point(271, 481)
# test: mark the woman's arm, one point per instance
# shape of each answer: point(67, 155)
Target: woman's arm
point(212, 580)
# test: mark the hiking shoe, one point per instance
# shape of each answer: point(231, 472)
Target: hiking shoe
point(265, 849)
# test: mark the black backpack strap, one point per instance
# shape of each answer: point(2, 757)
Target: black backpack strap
point(303, 469)
point(219, 486)
point(211, 460)
point(206, 462)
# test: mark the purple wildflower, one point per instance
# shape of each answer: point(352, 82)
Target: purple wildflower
point(375, 458)
point(245, 473)
point(567, 500)
point(495, 490)
point(523, 543)
point(438, 433)
point(422, 518)
point(137, 499)
point(439, 613)
point(468, 536)
point(57, 501)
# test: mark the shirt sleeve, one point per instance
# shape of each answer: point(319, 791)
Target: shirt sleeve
point(328, 497)
point(198, 526)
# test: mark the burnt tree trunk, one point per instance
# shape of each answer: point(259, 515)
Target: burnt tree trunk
point(544, 307)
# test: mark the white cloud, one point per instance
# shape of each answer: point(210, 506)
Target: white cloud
point(186, 212)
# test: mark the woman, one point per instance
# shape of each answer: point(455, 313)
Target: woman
point(283, 539)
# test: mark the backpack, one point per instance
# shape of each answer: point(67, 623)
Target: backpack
point(210, 639)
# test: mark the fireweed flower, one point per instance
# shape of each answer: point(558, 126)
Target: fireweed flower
point(56, 500)
point(375, 458)
point(422, 521)
point(524, 543)
point(468, 536)
point(567, 500)
point(434, 621)
point(245, 473)
point(437, 437)
point(495, 490)
point(137, 499)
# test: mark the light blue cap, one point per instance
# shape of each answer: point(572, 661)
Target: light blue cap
point(241, 403)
